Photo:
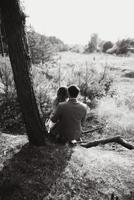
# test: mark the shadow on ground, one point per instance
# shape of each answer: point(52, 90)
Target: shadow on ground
point(31, 173)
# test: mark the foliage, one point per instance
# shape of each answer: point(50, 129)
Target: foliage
point(107, 45)
point(40, 47)
point(6, 78)
point(10, 116)
point(44, 88)
point(57, 44)
point(43, 48)
point(93, 44)
point(44, 101)
point(123, 46)
point(76, 48)
point(117, 114)
point(73, 71)
point(90, 48)
point(98, 87)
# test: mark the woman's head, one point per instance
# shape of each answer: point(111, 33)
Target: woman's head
point(62, 93)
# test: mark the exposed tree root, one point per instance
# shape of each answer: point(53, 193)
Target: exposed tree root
point(116, 139)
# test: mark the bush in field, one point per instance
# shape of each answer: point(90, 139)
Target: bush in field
point(97, 88)
point(123, 46)
point(107, 45)
point(93, 44)
point(57, 44)
point(92, 91)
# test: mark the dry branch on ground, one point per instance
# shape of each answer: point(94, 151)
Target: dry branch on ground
point(116, 139)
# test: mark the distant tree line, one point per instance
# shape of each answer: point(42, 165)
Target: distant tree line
point(122, 46)
point(42, 47)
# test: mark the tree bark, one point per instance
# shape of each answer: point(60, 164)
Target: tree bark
point(116, 139)
point(14, 24)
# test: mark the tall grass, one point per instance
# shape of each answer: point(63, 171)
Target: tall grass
point(118, 115)
point(116, 112)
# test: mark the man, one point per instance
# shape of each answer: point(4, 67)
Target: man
point(69, 116)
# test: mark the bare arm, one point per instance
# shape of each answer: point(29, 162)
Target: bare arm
point(84, 117)
point(56, 115)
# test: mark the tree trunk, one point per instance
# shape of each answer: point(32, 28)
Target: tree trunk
point(14, 23)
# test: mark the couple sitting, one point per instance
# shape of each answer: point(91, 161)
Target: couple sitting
point(68, 115)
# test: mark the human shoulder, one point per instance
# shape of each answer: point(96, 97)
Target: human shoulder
point(82, 104)
point(62, 104)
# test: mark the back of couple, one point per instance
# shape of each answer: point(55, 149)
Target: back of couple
point(68, 114)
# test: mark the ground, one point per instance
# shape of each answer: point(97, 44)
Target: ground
point(95, 174)
point(62, 172)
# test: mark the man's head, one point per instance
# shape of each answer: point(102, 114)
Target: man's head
point(73, 91)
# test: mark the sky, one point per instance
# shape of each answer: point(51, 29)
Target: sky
point(73, 21)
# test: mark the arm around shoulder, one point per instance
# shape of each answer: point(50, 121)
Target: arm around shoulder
point(56, 115)
point(85, 108)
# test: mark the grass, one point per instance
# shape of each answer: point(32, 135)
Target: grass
point(63, 173)
point(94, 174)
point(118, 118)
point(116, 111)
point(30, 173)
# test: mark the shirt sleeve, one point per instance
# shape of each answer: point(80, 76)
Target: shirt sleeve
point(56, 115)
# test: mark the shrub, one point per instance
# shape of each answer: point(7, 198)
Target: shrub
point(11, 116)
point(93, 44)
point(107, 45)
point(97, 88)
point(122, 46)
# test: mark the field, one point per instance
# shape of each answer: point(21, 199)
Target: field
point(115, 110)
point(75, 173)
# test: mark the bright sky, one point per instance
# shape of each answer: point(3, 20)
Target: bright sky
point(73, 21)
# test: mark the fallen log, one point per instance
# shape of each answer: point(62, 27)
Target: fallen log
point(116, 139)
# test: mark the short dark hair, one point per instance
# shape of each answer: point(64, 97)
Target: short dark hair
point(62, 92)
point(73, 91)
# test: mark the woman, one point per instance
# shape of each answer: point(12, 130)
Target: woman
point(62, 96)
